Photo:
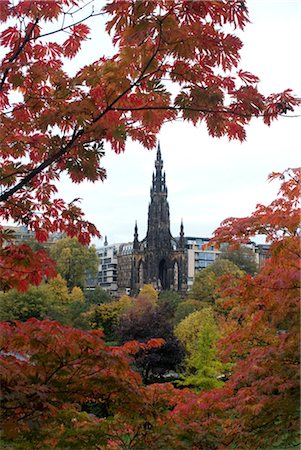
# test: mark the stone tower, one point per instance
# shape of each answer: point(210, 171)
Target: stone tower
point(159, 259)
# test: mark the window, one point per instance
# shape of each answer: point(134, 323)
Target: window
point(204, 256)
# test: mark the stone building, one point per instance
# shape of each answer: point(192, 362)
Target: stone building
point(159, 259)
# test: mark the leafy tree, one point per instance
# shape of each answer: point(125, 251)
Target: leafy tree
point(50, 371)
point(106, 316)
point(177, 60)
point(263, 334)
point(243, 257)
point(74, 261)
point(146, 320)
point(199, 333)
point(97, 296)
point(77, 295)
point(49, 300)
point(207, 281)
point(172, 298)
point(148, 292)
point(57, 288)
point(16, 305)
point(185, 308)
point(125, 302)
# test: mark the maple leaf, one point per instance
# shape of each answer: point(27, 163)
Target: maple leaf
point(73, 43)
point(247, 77)
point(236, 131)
point(9, 36)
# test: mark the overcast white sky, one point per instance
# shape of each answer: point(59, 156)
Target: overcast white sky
point(208, 179)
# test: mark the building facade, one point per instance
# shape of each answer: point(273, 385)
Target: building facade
point(158, 259)
point(107, 269)
point(124, 268)
point(21, 234)
point(198, 258)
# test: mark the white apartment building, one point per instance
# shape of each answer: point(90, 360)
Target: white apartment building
point(107, 269)
point(197, 257)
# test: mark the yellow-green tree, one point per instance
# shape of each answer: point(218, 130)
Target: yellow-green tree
point(199, 333)
point(49, 300)
point(208, 281)
point(148, 292)
point(243, 257)
point(15, 305)
point(74, 261)
point(77, 295)
point(106, 316)
point(57, 289)
point(125, 302)
point(185, 308)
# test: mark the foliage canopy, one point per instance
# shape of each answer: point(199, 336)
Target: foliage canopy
point(74, 261)
point(207, 281)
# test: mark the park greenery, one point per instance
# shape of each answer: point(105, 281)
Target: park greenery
point(75, 262)
point(218, 369)
point(230, 363)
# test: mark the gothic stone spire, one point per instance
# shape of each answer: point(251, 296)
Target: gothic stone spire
point(159, 178)
point(136, 240)
point(156, 260)
point(181, 240)
point(158, 232)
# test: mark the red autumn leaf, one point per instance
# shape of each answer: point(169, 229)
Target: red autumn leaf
point(10, 36)
point(236, 131)
point(155, 342)
point(248, 77)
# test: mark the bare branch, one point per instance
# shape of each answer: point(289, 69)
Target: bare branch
point(63, 28)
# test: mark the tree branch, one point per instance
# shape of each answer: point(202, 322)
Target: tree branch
point(204, 110)
point(76, 135)
point(63, 28)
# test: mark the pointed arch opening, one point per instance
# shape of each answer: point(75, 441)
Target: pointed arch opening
point(176, 276)
point(163, 274)
point(140, 274)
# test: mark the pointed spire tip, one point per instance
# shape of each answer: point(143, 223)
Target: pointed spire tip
point(158, 151)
